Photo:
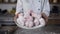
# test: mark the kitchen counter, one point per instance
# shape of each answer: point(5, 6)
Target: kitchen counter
point(49, 29)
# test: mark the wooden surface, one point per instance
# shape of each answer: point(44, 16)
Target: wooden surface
point(54, 19)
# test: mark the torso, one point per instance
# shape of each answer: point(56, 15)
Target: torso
point(34, 5)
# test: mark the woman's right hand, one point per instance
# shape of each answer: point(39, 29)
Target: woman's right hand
point(16, 16)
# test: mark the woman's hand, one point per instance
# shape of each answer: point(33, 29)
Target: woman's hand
point(16, 16)
point(45, 17)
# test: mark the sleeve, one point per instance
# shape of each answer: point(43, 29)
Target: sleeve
point(46, 8)
point(19, 7)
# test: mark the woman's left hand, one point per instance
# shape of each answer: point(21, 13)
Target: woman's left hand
point(45, 17)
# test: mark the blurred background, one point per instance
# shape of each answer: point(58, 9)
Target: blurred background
point(8, 9)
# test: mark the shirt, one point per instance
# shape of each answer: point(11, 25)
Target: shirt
point(37, 6)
